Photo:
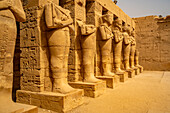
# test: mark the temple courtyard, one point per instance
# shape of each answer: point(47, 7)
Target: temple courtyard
point(148, 92)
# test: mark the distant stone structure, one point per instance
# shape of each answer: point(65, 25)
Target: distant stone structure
point(152, 37)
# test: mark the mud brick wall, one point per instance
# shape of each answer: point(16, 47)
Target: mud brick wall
point(153, 42)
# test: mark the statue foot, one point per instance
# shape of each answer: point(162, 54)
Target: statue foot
point(133, 67)
point(92, 80)
point(109, 74)
point(119, 71)
point(65, 88)
point(128, 69)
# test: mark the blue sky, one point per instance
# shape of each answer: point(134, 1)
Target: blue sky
point(139, 8)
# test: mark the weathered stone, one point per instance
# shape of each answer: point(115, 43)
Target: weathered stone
point(49, 100)
point(111, 82)
point(90, 89)
point(123, 76)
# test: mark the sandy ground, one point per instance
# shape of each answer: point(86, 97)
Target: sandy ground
point(148, 92)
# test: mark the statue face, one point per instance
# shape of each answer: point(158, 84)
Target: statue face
point(109, 19)
point(133, 33)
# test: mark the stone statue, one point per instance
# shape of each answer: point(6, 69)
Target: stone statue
point(106, 43)
point(126, 47)
point(88, 52)
point(10, 12)
point(58, 20)
point(137, 61)
point(133, 48)
point(117, 45)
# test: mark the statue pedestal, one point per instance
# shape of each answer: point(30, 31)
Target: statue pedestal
point(50, 100)
point(111, 82)
point(90, 89)
point(137, 70)
point(131, 73)
point(140, 68)
point(123, 76)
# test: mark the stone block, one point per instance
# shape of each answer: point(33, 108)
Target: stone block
point(111, 82)
point(51, 101)
point(141, 69)
point(131, 73)
point(137, 71)
point(90, 89)
point(123, 76)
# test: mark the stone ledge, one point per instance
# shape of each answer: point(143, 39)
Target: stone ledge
point(50, 100)
point(90, 89)
point(111, 82)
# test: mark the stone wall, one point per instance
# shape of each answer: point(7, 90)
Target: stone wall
point(153, 42)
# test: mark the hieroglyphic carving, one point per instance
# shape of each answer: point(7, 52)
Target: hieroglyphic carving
point(30, 51)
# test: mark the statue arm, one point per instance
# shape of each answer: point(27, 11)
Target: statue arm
point(5, 4)
point(126, 40)
point(18, 11)
point(103, 33)
point(117, 37)
point(67, 22)
point(54, 22)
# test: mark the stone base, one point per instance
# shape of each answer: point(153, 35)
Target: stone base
point(90, 89)
point(50, 100)
point(111, 82)
point(141, 69)
point(131, 73)
point(123, 76)
point(137, 71)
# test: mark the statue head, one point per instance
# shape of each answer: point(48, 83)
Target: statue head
point(125, 28)
point(117, 23)
point(108, 18)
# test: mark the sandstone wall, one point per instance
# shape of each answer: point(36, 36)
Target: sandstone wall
point(153, 42)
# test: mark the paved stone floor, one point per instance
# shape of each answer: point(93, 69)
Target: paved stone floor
point(148, 92)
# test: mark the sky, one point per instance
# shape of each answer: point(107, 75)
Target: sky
point(140, 8)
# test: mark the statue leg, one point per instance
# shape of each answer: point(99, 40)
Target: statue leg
point(132, 55)
point(126, 55)
point(117, 56)
point(106, 60)
point(59, 42)
point(88, 48)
